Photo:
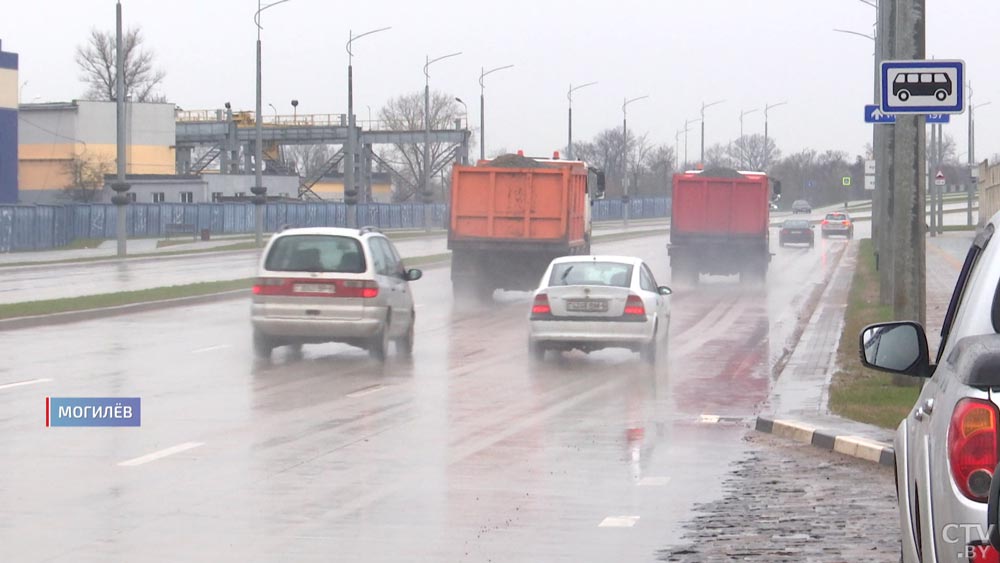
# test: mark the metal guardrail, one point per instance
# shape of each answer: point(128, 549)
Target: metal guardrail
point(45, 227)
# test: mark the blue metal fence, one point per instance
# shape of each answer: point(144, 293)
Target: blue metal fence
point(43, 227)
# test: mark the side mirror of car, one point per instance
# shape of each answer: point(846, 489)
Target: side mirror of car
point(664, 290)
point(414, 275)
point(898, 347)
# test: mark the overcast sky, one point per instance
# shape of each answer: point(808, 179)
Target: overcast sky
point(679, 52)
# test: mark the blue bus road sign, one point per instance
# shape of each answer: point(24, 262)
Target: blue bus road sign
point(923, 87)
point(875, 115)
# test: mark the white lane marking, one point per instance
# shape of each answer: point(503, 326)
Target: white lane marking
point(366, 391)
point(210, 348)
point(708, 419)
point(23, 383)
point(618, 522)
point(654, 481)
point(161, 454)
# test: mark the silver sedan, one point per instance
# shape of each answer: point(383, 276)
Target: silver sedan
point(593, 302)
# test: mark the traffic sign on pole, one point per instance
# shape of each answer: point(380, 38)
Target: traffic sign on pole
point(922, 87)
point(939, 179)
point(846, 181)
point(870, 183)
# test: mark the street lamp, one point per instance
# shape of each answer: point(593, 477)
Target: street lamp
point(687, 125)
point(705, 106)
point(295, 111)
point(677, 147)
point(569, 96)
point(426, 172)
point(350, 186)
point(275, 110)
point(743, 144)
point(767, 151)
point(483, 73)
point(625, 197)
point(259, 191)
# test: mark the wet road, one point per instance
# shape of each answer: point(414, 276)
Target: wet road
point(468, 452)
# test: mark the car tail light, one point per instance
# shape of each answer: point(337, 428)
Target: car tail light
point(825, 222)
point(847, 223)
point(541, 305)
point(365, 289)
point(634, 306)
point(979, 553)
point(972, 447)
point(270, 286)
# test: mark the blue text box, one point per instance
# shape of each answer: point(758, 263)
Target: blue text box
point(93, 411)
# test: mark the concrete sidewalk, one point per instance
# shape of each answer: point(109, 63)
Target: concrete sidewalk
point(798, 408)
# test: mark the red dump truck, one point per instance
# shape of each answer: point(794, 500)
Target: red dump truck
point(511, 216)
point(719, 224)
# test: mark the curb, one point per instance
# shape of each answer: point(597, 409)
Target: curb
point(853, 446)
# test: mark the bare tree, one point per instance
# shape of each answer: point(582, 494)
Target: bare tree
point(86, 177)
point(96, 59)
point(749, 153)
point(406, 113)
point(310, 160)
point(661, 163)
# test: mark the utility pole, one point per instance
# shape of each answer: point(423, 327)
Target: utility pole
point(908, 202)
point(935, 165)
point(351, 146)
point(767, 150)
point(425, 184)
point(882, 205)
point(120, 186)
point(625, 197)
point(743, 144)
point(482, 107)
point(687, 127)
point(705, 106)
point(569, 96)
point(940, 189)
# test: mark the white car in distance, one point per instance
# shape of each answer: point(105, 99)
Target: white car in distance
point(590, 303)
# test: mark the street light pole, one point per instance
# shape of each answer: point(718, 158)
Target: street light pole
point(428, 195)
point(767, 149)
point(465, 109)
point(120, 186)
point(483, 73)
point(625, 196)
point(258, 190)
point(704, 106)
point(569, 96)
point(351, 147)
point(742, 140)
point(687, 124)
point(972, 152)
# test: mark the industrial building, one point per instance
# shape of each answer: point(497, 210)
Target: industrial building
point(8, 126)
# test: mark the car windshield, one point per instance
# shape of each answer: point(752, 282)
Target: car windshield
point(316, 253)
point(801, 202)
point(613, 274)
point(799, 224)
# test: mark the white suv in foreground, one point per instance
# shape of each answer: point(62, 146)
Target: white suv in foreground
point(332, 285)
point(948, 448)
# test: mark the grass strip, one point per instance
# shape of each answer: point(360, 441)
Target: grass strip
point(856, 392)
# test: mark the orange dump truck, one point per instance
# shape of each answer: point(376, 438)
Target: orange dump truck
point(511, 216)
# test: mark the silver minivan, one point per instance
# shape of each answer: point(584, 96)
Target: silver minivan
point(332, 285)
point(948, 447)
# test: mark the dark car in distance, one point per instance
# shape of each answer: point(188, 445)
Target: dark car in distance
point(797, 231)
point(801, 206)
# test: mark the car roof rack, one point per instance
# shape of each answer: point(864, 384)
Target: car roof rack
point(368, 229)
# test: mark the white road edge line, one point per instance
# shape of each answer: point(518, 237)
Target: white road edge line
point(366, 391)
point(708, 419)
point(618, 522)
point(23, 383)
point(161, 454)
point(210, 348)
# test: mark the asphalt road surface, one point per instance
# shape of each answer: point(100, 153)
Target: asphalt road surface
point(467, 452)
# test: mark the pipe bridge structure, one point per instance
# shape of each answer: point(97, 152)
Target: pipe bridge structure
point(228, 137)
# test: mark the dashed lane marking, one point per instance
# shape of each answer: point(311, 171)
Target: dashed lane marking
point(161, 454)
point(210, 348)
point(23, 383)
point(618, 522)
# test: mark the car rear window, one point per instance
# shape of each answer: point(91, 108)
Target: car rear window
point(316, 253)
point(796, 225)
point(613, 274)
point(836, 217)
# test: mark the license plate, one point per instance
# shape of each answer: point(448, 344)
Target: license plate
point(795, 232)
point(587, 306)
point(314, 288)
